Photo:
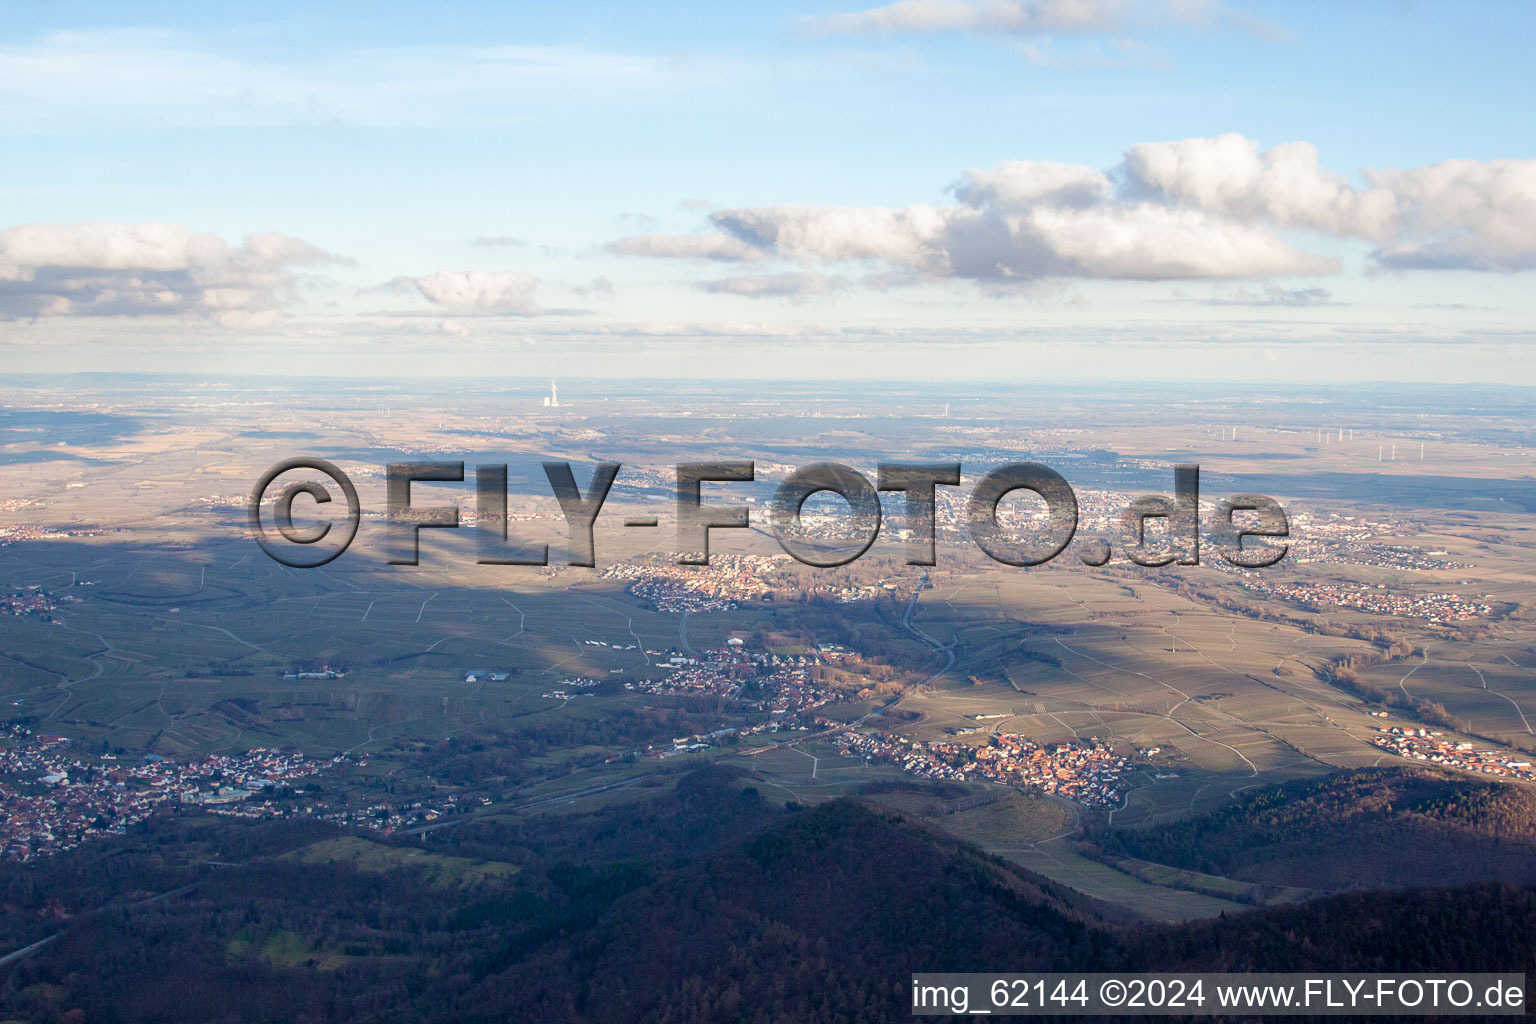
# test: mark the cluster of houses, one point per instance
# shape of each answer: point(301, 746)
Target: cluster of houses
point(726, 582)
point(389, 816)
point(33, 601)
point(53, 799)
point(1385, 556)
point(1377, 600)
point(19, 532)
point(571, 687)
point(1339, 539)
point(850, 594)
point(219, 501)
point(1331, 537)
point(706, 740)
point(1099, 513)
point(1087, 771)
point(1423, 745)
point(779, 684)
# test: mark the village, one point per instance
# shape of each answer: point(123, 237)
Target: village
point(1087, 772)
point(728, 582)
point(1372, 554)
point(725, 583)
point(53, 799)
point(1377, 600)
point(1423, 745)
point(390, 816)
point(34, 600)
point(779, 684)
point(26, 532)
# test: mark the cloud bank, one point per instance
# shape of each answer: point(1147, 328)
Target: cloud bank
point(789, 285)
point(149, 269)
point(1205, 208)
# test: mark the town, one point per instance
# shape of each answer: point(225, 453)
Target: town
point(27, 532)
point(1341, 539)
point(1377, 600)
point(725, 583)
point(53, 799)
point(1087, 772)
point(779, 684)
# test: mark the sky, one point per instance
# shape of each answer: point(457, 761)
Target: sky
point(945, 189)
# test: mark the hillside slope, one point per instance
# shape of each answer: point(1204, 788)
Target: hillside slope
point(1381, 828)
point(700, 903)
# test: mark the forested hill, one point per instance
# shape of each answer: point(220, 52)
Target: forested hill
point(821, 919)
point(1373, 828)
point(825, 917)
point(1488, 928)
point(739, 911)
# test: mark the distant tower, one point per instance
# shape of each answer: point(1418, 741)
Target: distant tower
point(1378, 453)
point(1394, 453)
point(1234, 433)
point(554, 396)
point(1421, 451)
point(1223, 433)
point(946, 410)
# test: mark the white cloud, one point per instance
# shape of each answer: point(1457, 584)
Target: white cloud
point(1027, 17)
point(1115, 53)
point(1231, 177)
point(686, 247)
point(1019, 221)
point(149, 269)
point(599, 285)
point(1270, 295)
point(479, 291)
point(1012, 16)
point(901, 237)
point(1211, 208)
point(1468, 215)
point(1154, 243)
point(789, 285)
point(496, 241)
point(1138, 241)
point(1026, 182)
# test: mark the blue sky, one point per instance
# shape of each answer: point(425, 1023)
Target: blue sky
point(933, 187)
